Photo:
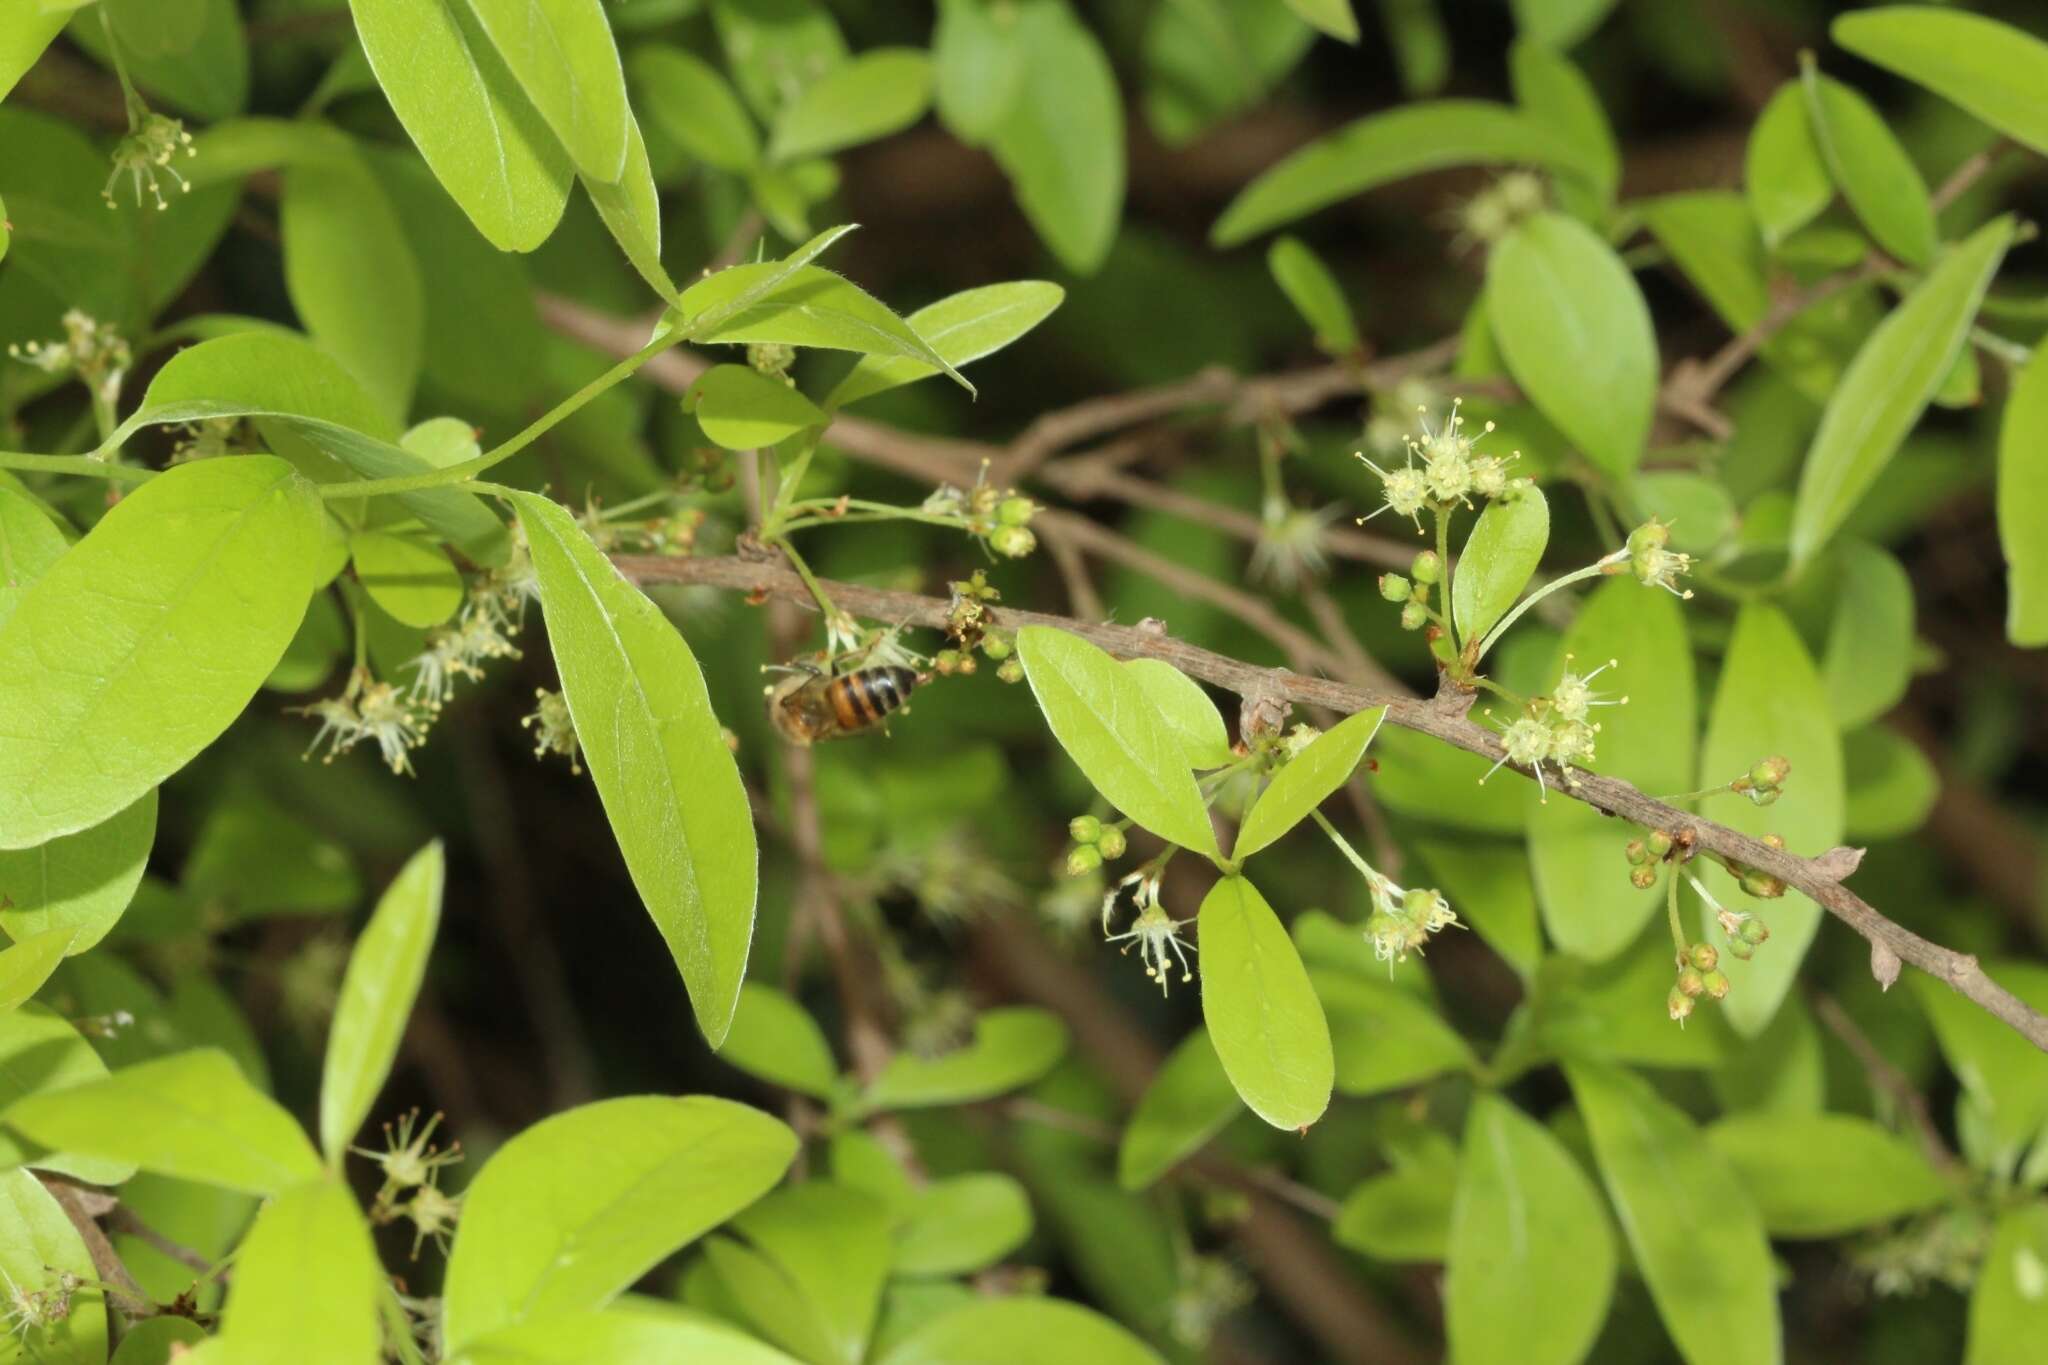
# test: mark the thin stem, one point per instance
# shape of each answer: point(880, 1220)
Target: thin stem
point(1443, 555)
point(831, 613)
point(540, 426)
point(1671, 911)
point(1365, 869)
point(85, 466)
point(1592, 570)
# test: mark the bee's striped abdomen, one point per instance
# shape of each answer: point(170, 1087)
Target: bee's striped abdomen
point(862, 699)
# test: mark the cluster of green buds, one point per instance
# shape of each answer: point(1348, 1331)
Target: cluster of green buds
point(1754, 880)
point(554, 730)
point(967, 616)
point(1745, 932)
point(1403, 918)
point(1451, 471)
point(1001, 646)
point(999, 517)
point(948, 662)
point(1556, 729)
point(1412, 593)
point(1153, 932)
point(1094, 844)
point(1498, 209)
point(93, 350)
point(1765, 782)
point(1699, 977)
point(1645, 855)
point(145, 151)
point(412, 1166)
point(771, 358)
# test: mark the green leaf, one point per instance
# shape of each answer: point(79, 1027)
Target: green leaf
point(2022, 502)
point(1263, 1016)
point(310, 1235)
point(192, 1115)
point(351, 275)
point(484, 141)
point(1307, 781)
point(805, 306)
point(1825, 1175)
point(1889, 385)
point(377, 993)
point(1868, 658)
point(23, 41)
point(1696, 1234)
point(1589, 910)
point(962, 327)
point(1021, 1331)
point(1557, 95)
point(774, 48)
point(413, 581)
point(1770, 701)
point(640, 1330)
point(1333, 17)
point(572, 1211)
point(1499, 558)
point(657, 755)
point(40, 1051)
point(1783, 176)
point(1559, 23)
point(1382, 148)
point(251, 858)
point(80, 882)
point(2001, 1072)
point(194, 584)
point(1315, 294)
point(978, 69)
point(1403, 1214)
point(742, 409)
point(1189, 1101)
point(1608, 1011)
point(831, 1246)
point(1061, 141)
point(1871, 169)
point(1108, 724)
point(1490, 883)
point(2008, 1308)
point(694, 107)
point(962, 1225)
point(1576, 335)
point(1012, 1047)
point(208, 77)
point(149, 1341)
point(1992, 70)
point(882, 91)
point(631, 210)
point(561, 53)
point(27, 964)
point(40, 1248)
point(1383, 1037)
point(277, 376)
point(1529, 1269)
point(772, 1037)
point(1186, 709)
point(29, 544)
point(1431, 781)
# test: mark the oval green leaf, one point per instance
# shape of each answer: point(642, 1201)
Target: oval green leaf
point(1871, 168)
point(2001, 1072)
point(312, 1234)
point(81, 882)
point(1825, 1175)
point(29, 544)
point(1011, 1047)
point(377, 993)
point(882, 91)
point(774, 1038)
point(1770, 700)
point(1529, 1269)
point(1061, 141)
point(1188, 1102)
point(27, 964)
point(1021, 1331)
point(39, 1248)
point(1868, 658)
point(1696, 1234)
point(1307, 781)
point(805, 306)
point(655, 750)
point(2008, 1308)
point(694, 106)
point(1889, 385)
point(1381, 148)
point(480, 135)
point(1187, 710)
point(1263, 1016)
point(1403, 1214)
point(962, 327)
point(193, 584)
point(1576, 335)
point(414, 582)
point(39, 1051)
point(192, 1115)
point(572, 1211)
point(1108, 724)
point(1499, 558)
point(562, 54)
point(631, 209)
point(1382, 1036)
point(1315, 294)
point(1992, 70)
point(1786, 182)
point(961, 1225)
point(742, 409)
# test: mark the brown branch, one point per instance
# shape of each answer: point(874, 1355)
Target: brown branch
point(1819, 877)
point(83, 1207)
point(1888, 1080)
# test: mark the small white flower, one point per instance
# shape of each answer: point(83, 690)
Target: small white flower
point(146, 151)
point(1574, 696)
point(1152, 931)
point(1653, 565)
point(1405, 488)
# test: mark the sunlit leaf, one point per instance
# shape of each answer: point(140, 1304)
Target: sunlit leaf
point(1263, 1016)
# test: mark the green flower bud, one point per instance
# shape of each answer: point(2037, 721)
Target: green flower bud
point(1011, 671)
point(1085, 829)
point(1111, 843)
point(1637, 853)
point(1643, 877)
point(1717, 985)
point(1754, 931)
point(1413, 617)
point(1659, 843)
point(1771, 772)
point(1012, 542)
point(1395, 588)
point(1427, 568)
point(1015, 511)
point(1703, 956)
point(1691, 981)
point(947, 661)
point(1742, 951)
point(1679, 1004)
point(1762, 885)
point(996, 647)
point(1083, 860)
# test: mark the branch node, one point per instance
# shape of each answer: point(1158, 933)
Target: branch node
point(1884, 964)
point(1838, 863)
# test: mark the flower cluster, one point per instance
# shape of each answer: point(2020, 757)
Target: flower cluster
point(29, 1311)
point(1556, 729)
point(1152, 932)
point(370, 710)
point(1402, 918)
point(1451, 472)
point(1653, 564)
point(95, 351)
point(1745, 932)
point(1094, 844)
point(1765, 782)
point(147, 150)
point(1699, 975)
point(1290, 549)
point(1497, 210)
point(1425, 571)
point(554, 730)
point(999, 517)
point(412, 1167)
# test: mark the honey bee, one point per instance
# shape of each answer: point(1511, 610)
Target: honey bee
point(811, 705)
